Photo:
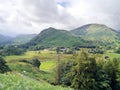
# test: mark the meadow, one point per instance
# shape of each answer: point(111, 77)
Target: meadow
point(113, 55)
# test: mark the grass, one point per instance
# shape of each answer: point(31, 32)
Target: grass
point(32, 72)
point(48, 63)
point(48, 59)
point(42, 56)
point(17, 81)
point(113, 55)
point(48, 66)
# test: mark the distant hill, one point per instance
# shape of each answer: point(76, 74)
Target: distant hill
point(22, 39)
point(87, 35)
point(52, 37)
point(97, 32)
point(4, 39)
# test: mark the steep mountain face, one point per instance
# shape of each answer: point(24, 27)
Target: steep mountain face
point(21, 39)
point(96, 32)
point(4, 39)
point(52, 37)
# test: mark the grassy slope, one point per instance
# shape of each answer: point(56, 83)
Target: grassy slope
point(17, 81)
point(113, 55)
point(21, 39)
point(96, 32)
point(100, 33)
point(52, 37)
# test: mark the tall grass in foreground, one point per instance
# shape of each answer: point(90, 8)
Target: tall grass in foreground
point(17, 81)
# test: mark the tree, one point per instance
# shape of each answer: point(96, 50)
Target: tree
point(118, 50)
point(58, 77)
point(87, 74)
point(103, 80)
point(12, 50)
point(84, 72)
point(3, 67)
point(113, 70)
point(35, 62)
point(65, 69)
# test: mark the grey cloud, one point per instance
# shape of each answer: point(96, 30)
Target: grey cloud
point(96, 11)
point(2, 20)
point(42, 10)
point(45, 11)
point(31, 16)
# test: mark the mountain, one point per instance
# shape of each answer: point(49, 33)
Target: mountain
point(52, 37)
point(4, 39)
point(24, 38)
point(97, 32)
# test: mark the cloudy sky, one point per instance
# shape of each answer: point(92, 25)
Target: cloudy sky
point(32, 16)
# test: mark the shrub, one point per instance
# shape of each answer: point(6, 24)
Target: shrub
point(35, 62)
point(118, 50)
point(3, 67)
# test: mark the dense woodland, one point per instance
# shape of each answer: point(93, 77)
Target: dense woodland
point(86, 72)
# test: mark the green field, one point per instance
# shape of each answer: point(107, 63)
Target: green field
point(42, 55)
point(113, 55)
point(31, 75)
point(48, 66)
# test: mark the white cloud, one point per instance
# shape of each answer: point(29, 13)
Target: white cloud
point(96, 11)
point(31, 16)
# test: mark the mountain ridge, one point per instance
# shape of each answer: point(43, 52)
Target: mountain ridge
point(4, 39)
point(83, 35)
point(96, 32)
point(23, 38)
point(52, 37)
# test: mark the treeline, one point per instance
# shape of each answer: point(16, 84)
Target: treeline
point(35, 62)
point(6, 50)
point(85, 72)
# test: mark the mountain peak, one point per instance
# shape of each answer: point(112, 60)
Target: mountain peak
point(50, 28)
point(92, 24)
point(96, 24)
point(52, 37)
point(96, 32)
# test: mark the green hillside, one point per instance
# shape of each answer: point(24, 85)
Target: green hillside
point(21, 39)
point(4, 39)
point(17, 81)
point(52, 37)
point(96, 32)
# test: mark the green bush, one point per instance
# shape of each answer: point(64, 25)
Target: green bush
point(3, 66)
point(118, 50)
point(35, 62)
